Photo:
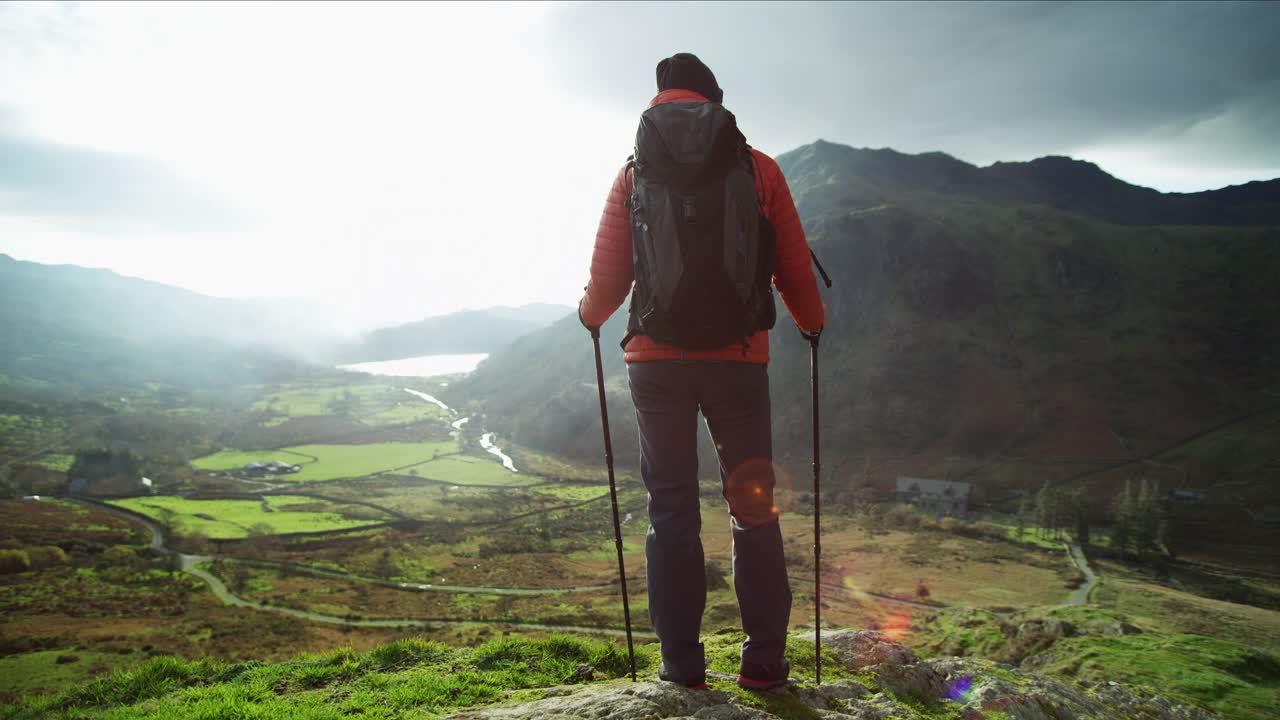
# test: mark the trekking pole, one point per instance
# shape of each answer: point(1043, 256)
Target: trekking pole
point(613, 497)
point(817, 510)
point(812, 337)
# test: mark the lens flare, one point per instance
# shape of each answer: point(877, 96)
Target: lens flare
point(897, 626)
point(960, 689)
point(758, 491)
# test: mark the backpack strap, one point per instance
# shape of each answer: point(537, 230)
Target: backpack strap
point(755, 173)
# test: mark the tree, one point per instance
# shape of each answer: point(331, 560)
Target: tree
point(1024, 508)
point(1143, 520)
point(385, 567)
point(1122, 532)
point(1171, 526)
point(167, 517)
point(1044, 508)
point(1080, 513)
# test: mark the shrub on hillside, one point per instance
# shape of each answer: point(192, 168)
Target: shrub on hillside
point(902, 517)
point(120, 554)
point(44, 556)
point(14, 561)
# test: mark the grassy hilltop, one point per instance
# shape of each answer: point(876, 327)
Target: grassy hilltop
point(421, 678)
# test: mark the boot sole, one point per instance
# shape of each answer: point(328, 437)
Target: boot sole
point(749, 684)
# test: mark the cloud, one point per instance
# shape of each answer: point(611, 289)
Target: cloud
point(97, 189)
point(982, 81)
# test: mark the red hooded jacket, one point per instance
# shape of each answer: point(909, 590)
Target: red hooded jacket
point(612, 272)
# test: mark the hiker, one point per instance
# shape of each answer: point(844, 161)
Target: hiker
point(700, 188)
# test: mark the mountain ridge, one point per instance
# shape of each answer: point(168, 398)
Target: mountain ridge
point(1078, 186)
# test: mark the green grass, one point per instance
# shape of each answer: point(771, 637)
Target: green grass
point(1030, 532)
point(234, 518)
point(10, 423)
point(1155, 607)
point(573, 493)
point(960, 631)
point(333, 461)
point(409, 677)
point(235, 459)
point(1231, 679)
point(413, 677)
point(411, 411)
point(375, 404)
point(38, 670)
point(306, 401)
point(468, 470)
point(55, 461)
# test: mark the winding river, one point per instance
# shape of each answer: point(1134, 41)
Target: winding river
point(486, 442)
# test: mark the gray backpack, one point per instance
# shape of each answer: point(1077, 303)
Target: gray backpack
point(702, 251)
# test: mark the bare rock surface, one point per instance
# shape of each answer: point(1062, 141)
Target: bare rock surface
point(892, 683)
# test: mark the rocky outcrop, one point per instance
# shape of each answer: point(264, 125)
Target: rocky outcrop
point(889, 681)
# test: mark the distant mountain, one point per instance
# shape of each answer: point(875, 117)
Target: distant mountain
point(827, 175)
point(468, 331)
point(539, 314)
point(981, 317)
point(69, 326)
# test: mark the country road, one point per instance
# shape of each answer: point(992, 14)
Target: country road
point(1080, 596)
point(190, 563)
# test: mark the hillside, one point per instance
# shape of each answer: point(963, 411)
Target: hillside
point(983, 319)
point(468, 331)
point(68, 327)
point(865, 676)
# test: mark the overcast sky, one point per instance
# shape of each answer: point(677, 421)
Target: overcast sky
point(403, 160)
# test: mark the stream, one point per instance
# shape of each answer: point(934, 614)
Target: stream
point(486, 440)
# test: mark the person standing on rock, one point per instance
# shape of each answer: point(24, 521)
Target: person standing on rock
point(699, 227)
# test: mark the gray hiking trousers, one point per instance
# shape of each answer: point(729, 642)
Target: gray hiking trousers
point(734, 399)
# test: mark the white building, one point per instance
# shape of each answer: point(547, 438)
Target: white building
point(947, 497)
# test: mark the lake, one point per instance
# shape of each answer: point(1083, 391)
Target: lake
point(422, 366)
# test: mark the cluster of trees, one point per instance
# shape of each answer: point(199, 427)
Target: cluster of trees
point(100, 464)
point(1057, 511)
point(1143, 522)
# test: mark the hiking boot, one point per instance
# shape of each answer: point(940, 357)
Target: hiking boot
point(692, 683)
point(763, 677)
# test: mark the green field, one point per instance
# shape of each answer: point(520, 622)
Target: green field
point(235, 518)
point(304, 401)
point(236, 459)
point(330, 462)
point(409, 411)
point(467, 470)
point(41, 670)
point(573, 493)
point(373, 404)
point(56, 461)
